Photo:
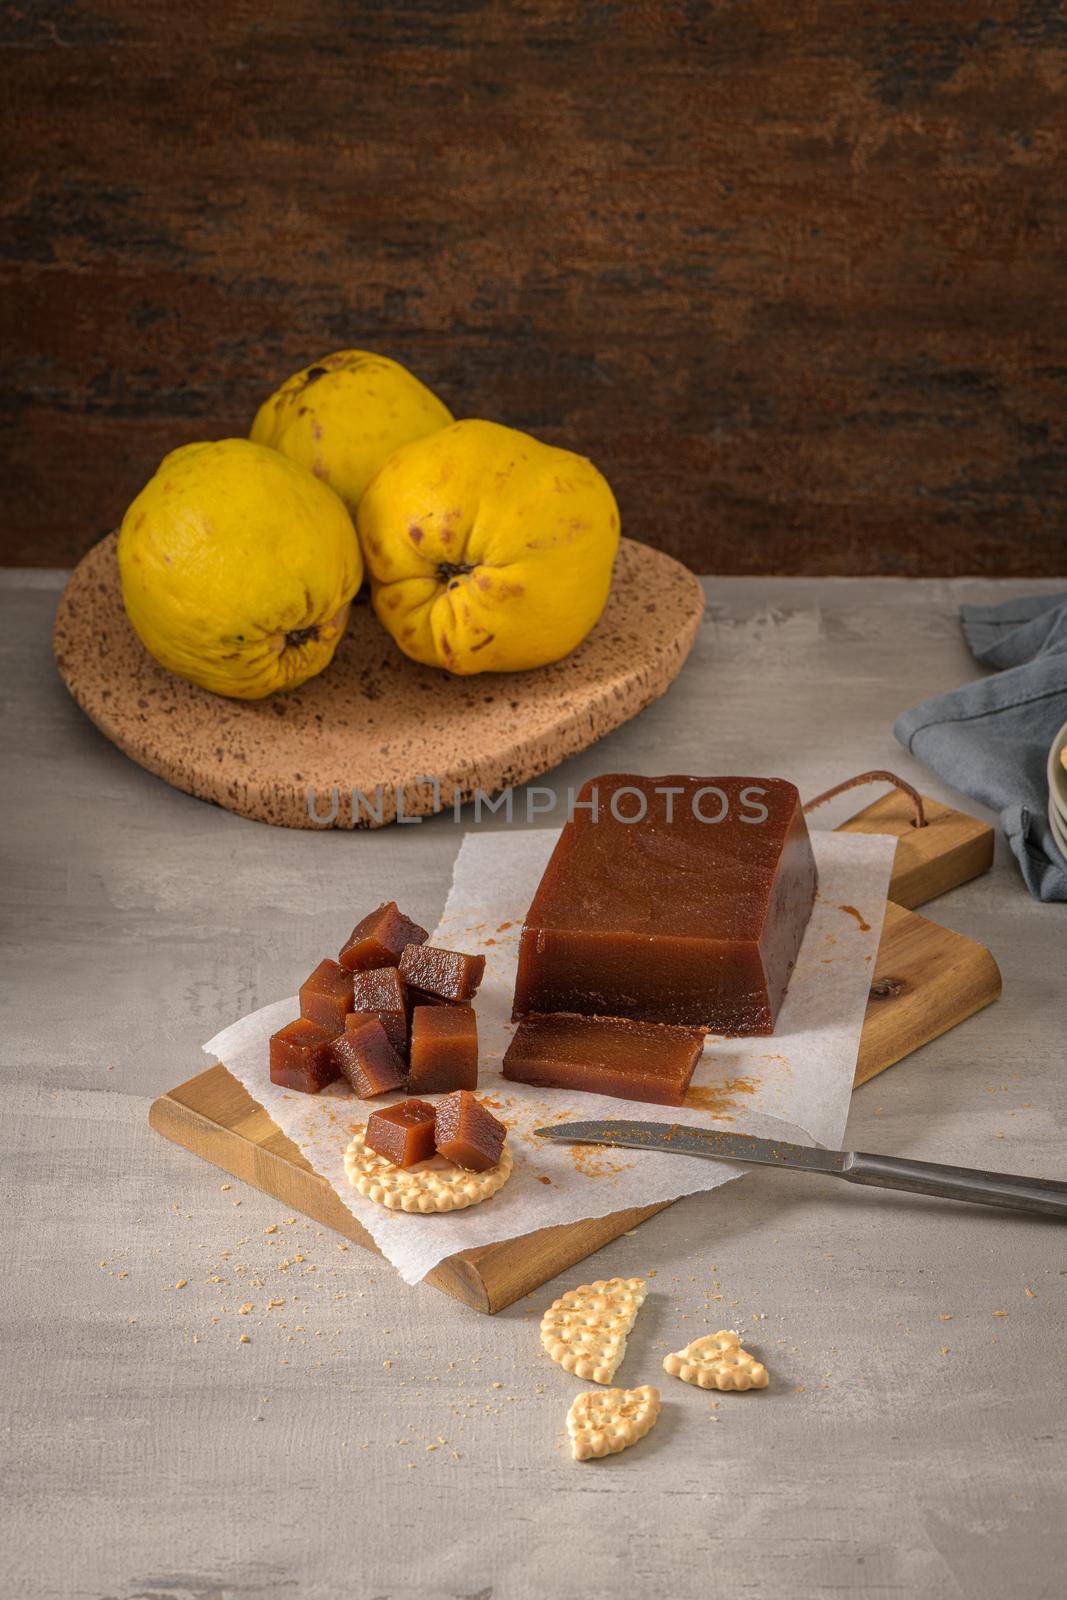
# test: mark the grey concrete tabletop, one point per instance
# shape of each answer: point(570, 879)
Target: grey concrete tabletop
point(369, 1439)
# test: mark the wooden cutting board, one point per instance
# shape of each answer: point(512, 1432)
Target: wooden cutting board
point(926, 980)
point(374, 723)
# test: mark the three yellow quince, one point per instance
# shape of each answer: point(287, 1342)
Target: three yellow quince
point(238, 568)
point(488, 551)
point(342, 416)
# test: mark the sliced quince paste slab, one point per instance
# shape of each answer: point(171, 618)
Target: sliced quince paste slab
point(677, 900)
point(585, 1330)
point(717, 1361)
point(605, 1055)
point(432, 1185)
point(605, 1421)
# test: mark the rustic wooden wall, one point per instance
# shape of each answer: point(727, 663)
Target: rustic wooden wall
point(786, 269)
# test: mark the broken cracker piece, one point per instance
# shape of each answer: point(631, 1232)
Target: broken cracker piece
point(434, 1185)
point(604, 1421)
point(585, 1330)
point(717, 1361)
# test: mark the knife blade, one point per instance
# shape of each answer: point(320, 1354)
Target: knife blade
point(1047, 1196)
point(682, 1139)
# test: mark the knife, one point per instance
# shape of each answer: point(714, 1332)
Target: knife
point(1003, 1189)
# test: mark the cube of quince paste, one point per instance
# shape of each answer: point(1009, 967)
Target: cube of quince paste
point(443, 1054)
point(468, 1133)
point(379, 939)
point(301, 1056)
point(403, 1133)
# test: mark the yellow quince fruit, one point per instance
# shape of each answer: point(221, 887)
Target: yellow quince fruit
point(344, 415)
point(488, 551)
point(238, 568)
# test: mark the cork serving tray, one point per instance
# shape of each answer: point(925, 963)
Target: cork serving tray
point(373, 721)
point(926, 980)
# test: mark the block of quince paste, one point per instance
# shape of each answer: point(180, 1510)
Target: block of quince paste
point(301, 1056)
point(717, 1361)
point(692, 913)
point(379, 940)
point(605, 1055)
point(382, 993)
point(443, 1052)
point(441, 974)
point(326, 997)
point(403, 1133)
point(366, 1059)
point(467, 1133)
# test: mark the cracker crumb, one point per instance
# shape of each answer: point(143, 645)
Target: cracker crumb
point(180, 1283)
point(244, 1339)
point(224, 1187)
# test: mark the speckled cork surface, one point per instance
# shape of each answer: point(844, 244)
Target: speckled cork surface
point(373, 721)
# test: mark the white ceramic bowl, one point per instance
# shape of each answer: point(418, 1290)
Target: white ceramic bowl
point(1057, 786)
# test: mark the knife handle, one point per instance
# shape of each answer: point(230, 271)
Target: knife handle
point(1003, 1189)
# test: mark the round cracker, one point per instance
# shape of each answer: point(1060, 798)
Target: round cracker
point(433, 1185)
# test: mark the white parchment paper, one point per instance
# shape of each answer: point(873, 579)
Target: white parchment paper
point(795, 1084)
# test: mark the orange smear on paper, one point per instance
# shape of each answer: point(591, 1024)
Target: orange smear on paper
point(592, 1162)
point(718, 1097)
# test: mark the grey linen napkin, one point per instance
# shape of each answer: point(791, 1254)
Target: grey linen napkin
point(991, 739)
